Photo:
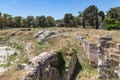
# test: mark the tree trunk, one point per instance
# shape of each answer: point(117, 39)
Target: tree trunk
point(97, 26)
point(83, 23)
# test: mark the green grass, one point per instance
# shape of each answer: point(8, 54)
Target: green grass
point(28, 37)
point(87, 70)
point(61, 61)
point(40, 47)
point(17, 46)
point(4, 40)
point(10, 58)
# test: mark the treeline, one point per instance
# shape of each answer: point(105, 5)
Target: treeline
point(91, 17)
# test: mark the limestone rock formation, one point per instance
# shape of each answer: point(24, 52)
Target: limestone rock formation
point(5, 53)
point(43, 35)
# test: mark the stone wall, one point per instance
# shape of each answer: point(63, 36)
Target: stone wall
point(108, 60)
point(70, 69)
point(104, 54)
point(40, 68)
point(43, 67)
point(90, 49)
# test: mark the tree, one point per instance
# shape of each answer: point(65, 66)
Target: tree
point(10, 21)
point(6, 17)
point(102, 15)
point(17, 21)
point(30, 21)
point(90, 15)
point(112, 24)
point(37, 21)
point(77, 20)
point(50, 21)
point(59, 23)
point(42, 21)
point(2, 22)
point(23, 23)
point(69, 20)
point(114, 13)
point(0, 14)
point(83, 18)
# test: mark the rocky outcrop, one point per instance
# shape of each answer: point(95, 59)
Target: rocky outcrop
point(39, 67)
point(108, 60)
point(90, 49)
point(43, 35)
point(5, 53)
point(44, 66)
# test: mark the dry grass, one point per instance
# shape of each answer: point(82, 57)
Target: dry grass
point(11, 75)
point(87, 73)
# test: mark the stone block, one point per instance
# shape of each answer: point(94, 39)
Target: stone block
point(118, 46)
point(78, 37)
point(116, 51)
point(105, 37)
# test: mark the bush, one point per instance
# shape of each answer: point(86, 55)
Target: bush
point(112, 24)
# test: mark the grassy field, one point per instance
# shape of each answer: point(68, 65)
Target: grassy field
point(22, 37)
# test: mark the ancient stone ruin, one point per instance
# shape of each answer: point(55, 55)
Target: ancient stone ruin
point(101, 51)
point(108, 59)
point(104, 54)
point(43, 67)
point(44, 35)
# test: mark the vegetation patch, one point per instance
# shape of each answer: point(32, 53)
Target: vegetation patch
point(112, 24)
point(61, 62)
point(39, 47)
point(10, 59)
point(17, 46)
point(3, 40)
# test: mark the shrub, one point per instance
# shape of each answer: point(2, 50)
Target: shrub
point(61, 61)
point(112, 24)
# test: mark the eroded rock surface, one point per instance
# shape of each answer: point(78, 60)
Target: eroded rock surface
point(5, 52)
point(43, 35)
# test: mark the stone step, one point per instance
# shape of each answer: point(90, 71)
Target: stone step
point(114, 59)
point(116, 51)
point(105, 37)
point(116, 56)
point(118, 46)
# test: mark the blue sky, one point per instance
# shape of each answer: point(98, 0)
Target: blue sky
point(55, 8)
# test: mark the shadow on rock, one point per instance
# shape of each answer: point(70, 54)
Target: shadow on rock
point(76, 71)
